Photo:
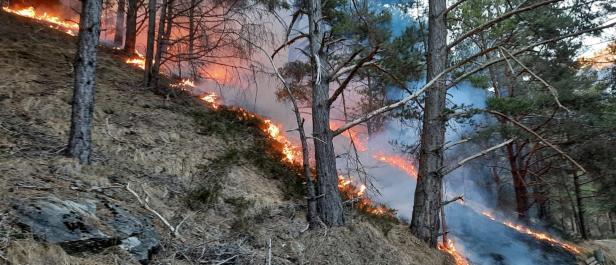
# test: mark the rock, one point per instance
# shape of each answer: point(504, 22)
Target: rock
point(80, 226)
point(139, 236)
point(66, 223)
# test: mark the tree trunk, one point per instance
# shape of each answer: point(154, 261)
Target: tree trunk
point(610, 221)
point(519, 183)
point(164, 31)
point(580, 205)
point(425, 219)
point(119, 26)
point(191, 39)
point(130, 39)
point(329, 202)
point(149, 54)
point(80, 140)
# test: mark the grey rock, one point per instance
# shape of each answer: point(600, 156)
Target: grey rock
point(79, 227)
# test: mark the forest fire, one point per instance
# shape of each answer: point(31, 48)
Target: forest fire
point(451, 249)
point(399, 162)
point(289, 150)
point(187, 84)
point(137, 60)
point(356, 194)
point(210, 99)
point(536, 235)
point(69, 27)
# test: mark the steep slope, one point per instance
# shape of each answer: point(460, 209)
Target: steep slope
point(209, 171)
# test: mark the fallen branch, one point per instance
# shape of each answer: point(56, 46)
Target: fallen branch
point(145, 205)
point(460, 163)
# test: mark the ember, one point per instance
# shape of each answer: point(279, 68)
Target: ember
point(537, 235)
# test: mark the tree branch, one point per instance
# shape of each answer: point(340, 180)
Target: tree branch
point(497, 20)
point(565, 155)
point(352, 73)
point(460, 163)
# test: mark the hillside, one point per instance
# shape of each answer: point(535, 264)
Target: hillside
point(209, 171)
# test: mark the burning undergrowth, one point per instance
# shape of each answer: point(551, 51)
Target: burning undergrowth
point(275, 154)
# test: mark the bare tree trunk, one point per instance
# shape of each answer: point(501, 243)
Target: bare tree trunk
point(164, 31)
point(329, 202)
point(425, 219)
point(130, 39)
point(149, 54)
point(580, 206)
point(80, 140)
point(191, 39)
point(119, 26)
point(610, 221)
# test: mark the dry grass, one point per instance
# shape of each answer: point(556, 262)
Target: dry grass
point(156, 145)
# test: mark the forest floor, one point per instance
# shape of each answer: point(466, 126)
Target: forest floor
point(198, 166)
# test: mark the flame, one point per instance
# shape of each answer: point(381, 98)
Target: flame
point(185, 84)
point(536, 235)
point(354, 193)
point(69, 27)
point(399, 162)
point(211, 99)
point(451, 250)
point(289, 150)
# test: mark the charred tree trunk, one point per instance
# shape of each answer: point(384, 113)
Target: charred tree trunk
point(425, 219)
point(119, 26)
point(329, 202)
point(130, 38)
point(580, 206)
point(610, 221)
point(149, 54)
point(80, 140)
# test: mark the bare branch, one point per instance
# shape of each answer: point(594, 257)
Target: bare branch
point(460, 163)
point(351, 74)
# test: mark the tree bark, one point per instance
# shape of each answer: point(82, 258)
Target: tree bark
point(580, 206)
point(149, 54)
point(329, 202)
point(164, 31)
point(80, 140)
point(130, 38)
point(119, 26)
point(519, 183)
point(610, 221)
point(425, 218)
point(191, 39)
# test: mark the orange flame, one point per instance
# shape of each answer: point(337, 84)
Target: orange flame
point(399, 162)
point(451, 250)
point(352, 192)
point(184, 84)
point(210, 99)
point(54, 22)
point(137, 60)
point(289, 150)
point(537, 235)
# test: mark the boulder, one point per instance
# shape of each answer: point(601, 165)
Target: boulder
point(77, 225)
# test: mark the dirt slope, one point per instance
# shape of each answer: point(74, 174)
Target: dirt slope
point(197, 166)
